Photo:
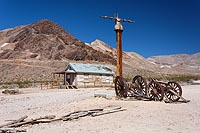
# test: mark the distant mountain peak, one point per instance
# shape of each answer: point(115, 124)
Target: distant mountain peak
point(101, 46)
point(45, 21)
point(45, 24)
point(50, 28)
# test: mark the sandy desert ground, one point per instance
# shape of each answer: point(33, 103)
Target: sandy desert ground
point(140, 116)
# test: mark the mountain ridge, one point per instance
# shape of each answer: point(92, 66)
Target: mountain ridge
point(186, 59)
point(46, 40)
point(34, 51)
point(178, 64)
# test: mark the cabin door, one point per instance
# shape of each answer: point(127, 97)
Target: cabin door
point(70, 78)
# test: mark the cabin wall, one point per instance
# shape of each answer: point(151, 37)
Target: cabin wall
point(93, 80)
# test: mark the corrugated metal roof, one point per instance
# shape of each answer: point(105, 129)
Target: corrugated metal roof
point(89, 68)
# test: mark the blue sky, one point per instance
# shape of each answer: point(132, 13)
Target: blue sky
point(162, 27)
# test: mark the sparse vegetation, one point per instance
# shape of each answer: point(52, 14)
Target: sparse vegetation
point(24, 84)
point(180, 78)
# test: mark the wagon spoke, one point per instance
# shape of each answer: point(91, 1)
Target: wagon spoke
point(176, 88)
point(155, 91)
point(121, 87)
point(140, 85)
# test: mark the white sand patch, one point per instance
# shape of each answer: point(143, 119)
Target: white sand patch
point(87, 44)
point(4, 45)
point(153, 63)
point(196, 81)
point(165, 66)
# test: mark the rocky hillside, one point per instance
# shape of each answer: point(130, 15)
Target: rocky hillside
point(179, 63)
point(45, 40)
point(32, 52)
point(134, 63)
point(178, 59)
point(129, 58)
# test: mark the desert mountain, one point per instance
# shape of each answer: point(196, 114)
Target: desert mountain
point(131, 59)
point(178, 59)
point(45, 40)
point(32, 52)
point(156, 65)
point(180, 63)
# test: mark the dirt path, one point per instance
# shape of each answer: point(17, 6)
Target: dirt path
point(140, 117)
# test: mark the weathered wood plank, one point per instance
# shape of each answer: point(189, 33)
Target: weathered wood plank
point(15, 121)
point(68, 117)
point(32, 121)
point(107, 112)
point(11, 130)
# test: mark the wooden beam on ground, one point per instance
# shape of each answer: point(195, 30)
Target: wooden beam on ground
point(21, 119)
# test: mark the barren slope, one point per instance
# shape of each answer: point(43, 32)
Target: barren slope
point(134, 63)
point(45, 40)
point(34, 51)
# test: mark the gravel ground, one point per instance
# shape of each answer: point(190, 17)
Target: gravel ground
point(140, 116)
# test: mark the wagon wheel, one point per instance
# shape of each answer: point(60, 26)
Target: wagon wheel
point(175, 87)
point(140, 85)
point(121, 87)
point(156, 92)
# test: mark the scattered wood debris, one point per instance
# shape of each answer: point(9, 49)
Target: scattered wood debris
point(100, 95)
point(11, 91)
point(14, 121)
point(33, 121)
point(11, 130)
point(11, 127)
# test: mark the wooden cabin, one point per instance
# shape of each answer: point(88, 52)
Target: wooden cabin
point(87, 75)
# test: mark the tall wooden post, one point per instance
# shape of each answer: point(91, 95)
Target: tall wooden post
point(119, 30)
